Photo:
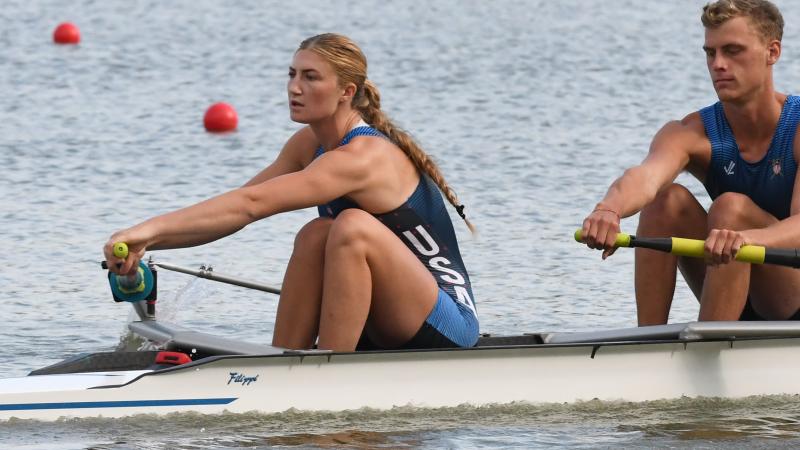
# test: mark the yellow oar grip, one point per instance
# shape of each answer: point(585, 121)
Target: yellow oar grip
point(121, 250)
point(752, 254)
point(696, 249)
point(623, 239)
point(688, 247)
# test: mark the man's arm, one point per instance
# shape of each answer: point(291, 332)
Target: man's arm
point(782, 234)
point(670, 153)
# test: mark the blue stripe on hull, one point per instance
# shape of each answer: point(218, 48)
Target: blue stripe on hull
point(116, 404)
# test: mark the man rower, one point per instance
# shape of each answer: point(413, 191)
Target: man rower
point(743, 150)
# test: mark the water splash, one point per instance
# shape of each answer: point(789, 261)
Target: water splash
point(172, 308)
point(181, 304)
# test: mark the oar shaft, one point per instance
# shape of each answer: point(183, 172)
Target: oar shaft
point(695, 248)
point(214, 276)
point(121, 251)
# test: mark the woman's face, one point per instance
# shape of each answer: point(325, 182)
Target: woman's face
point(313, 88)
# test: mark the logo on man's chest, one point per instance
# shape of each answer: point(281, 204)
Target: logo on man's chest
point(776, 168)
point(729, 168)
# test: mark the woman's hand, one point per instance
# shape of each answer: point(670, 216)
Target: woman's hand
point(130, 264)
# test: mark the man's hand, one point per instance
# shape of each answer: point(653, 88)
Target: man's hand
point(722, 245)
point(600, 229)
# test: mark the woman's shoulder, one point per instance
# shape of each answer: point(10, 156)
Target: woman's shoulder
point(301, 146)
point(366, 139)
point(374, 151)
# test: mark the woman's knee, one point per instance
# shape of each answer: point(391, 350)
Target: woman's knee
point(352, 227)
point(313, 235)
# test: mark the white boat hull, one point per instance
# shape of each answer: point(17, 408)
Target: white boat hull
point(545, 373)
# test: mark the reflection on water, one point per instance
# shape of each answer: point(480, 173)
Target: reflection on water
point(348, 439)
point(704, 422)
point(715, 420)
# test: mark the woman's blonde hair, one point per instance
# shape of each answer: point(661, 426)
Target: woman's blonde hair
point(350, 65)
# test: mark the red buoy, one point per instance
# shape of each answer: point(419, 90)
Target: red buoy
point(66, 33)
point(220, 117)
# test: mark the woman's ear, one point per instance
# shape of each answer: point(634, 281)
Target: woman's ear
point(348, 94)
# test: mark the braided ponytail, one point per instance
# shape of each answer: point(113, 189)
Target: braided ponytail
point(368, 102)
point(350, 65)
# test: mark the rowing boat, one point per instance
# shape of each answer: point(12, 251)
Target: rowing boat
point(203, 373)
point(725, 359)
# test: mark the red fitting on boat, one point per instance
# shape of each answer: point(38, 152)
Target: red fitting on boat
point(172, 358)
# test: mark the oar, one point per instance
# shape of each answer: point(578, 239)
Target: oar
point(121, 251)
point(754, 254)
point(209, 274)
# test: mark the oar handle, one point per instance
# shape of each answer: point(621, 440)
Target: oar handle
point(121, 250)
point(694, 248)
point(623, 239)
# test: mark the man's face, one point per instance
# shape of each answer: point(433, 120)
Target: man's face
point(738, 59)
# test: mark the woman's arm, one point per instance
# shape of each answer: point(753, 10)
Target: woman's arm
point(332, 175)
point(296, 154)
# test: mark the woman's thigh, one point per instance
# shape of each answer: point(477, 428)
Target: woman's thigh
point(297, 318)
point(402, 290)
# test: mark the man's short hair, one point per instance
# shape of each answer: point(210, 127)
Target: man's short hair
point(764, 15)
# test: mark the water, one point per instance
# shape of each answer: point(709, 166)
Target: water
point(530, 108)
point(695, 423)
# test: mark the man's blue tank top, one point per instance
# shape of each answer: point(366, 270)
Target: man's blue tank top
point(769, 182)
point(424, 226)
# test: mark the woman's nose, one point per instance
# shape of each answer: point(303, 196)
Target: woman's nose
point(293, 86)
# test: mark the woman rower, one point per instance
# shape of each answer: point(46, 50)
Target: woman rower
point(381, 264)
